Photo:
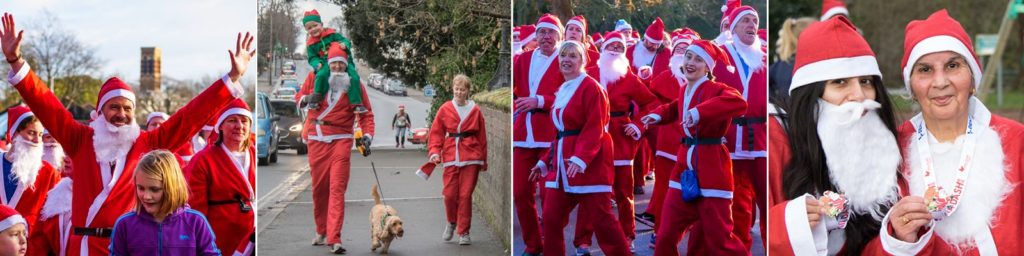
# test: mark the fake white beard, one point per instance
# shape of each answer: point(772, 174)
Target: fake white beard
point(613, 65)
point(26, 159)
point(751, 54)
point(675, 63)
point(112, 142)
point(723, 38)
point(198, 143)
point(984, 192)
point(54, 154)
point(338, 80)
point(642, 56)
point(862, 155)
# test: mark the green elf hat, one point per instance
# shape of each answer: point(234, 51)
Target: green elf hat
point(311, 15)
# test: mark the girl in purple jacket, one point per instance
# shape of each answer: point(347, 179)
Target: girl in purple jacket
point(162, 224)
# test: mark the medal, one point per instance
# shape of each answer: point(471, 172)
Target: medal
point(836, 206)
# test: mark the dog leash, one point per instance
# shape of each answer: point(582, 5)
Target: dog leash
point(379, 188)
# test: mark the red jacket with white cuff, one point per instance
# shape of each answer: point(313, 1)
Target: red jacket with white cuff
point(533, 129)
point(460, 139)
point(581, 108)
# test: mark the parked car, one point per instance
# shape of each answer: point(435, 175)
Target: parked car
point(290, 83)
point(266, 130)
point(375, 80)
point(292, 119)
point(418, 135)
point(395, 87)
point(288, 68)
point(287, 93)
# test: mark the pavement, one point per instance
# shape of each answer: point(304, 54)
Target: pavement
point(643, 232)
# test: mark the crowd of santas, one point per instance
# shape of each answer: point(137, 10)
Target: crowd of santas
point(641, 76)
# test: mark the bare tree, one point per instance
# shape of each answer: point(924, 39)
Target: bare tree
point(57, 53)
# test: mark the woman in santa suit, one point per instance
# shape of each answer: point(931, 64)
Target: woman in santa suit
point(222, 176)
point(462, 151)
point(578, 168)
point(704, 110)
point(666, 86)
point(576, 30)
point(963, 163)
point(838, 159)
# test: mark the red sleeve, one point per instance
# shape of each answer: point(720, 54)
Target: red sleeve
point(307, 87)
point(779, 243)
point(644, 99)
point(727, 104)
point(198, 180)
point(436, 138)
point(668, 112)
point(50, 112)
point(39, 240)
point(778, 159)
point(593, 128)
point(189, 120)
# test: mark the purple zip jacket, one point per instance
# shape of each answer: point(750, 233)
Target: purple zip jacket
point(183, 232)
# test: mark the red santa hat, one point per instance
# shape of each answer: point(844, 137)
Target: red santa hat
point(578, 21)
point(336, 53)
point(526, 33)
point(684, 35)
point(9, 217)
point(938, 33)
point(15, 115)
point(155, 115)
point(236, 107)
point(425, 170)
point(832, 49)
point(831, 8)
point(739, 12)
point(727, 8)
point(655, 33)
point(762, 34)
point(598, 39)
point(113, 88)
point(710, 53)
point(612, 37)
point(550, 21)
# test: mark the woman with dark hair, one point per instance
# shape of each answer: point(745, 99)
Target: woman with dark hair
point(842, 176)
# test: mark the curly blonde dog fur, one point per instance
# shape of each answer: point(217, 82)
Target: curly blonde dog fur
point(385, 225)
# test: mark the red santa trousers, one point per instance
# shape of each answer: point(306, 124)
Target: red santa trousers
point(743, 198)
point(642, 163)
point(594, 207)
point(523, 196)
point(623, 192)
point(662, 171)
point(711, 215)
point(329, 164)
point(459, 183)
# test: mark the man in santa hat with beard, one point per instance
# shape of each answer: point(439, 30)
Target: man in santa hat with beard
point(536, 78)
point(221, 177)
point(650, 57)
point(724, 33)
point(329, 130)
point(576, 30)
point(106, 151)
point(26, 177)
point(623, 89)
point(53, 153)
point(666, 87)
point(747, 137)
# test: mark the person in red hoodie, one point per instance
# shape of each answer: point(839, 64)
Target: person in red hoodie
point(578, 168)
point(704, 110)
point(222, 177)
point(461, 148)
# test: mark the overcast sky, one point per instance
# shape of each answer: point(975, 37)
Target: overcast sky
point(193, 35)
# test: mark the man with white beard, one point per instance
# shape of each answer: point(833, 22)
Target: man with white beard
point(53, 154)
point(650, 57)
point(26, 178)
point(623, 89)
point(842, 139)
point(106, 151)
point(747, 138)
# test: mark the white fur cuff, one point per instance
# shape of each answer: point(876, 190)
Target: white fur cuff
point(898, 247)
point(16, 78)
point(235, 88)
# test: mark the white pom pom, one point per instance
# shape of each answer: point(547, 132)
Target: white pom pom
point(94, 114)
point(724, 8)
point(732, 69)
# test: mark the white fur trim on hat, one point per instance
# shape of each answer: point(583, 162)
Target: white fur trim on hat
point(834, 11)
point(155, 115)
point(548, 25)
point(700, 52)
point(11, 221)
point(529, 37)
point(941, 43)
point(611, 40)
point(14, 126)
point(651, 40)
point(732, 24)
point(337, 59)
point(622, 26)
point(577, 23)
point(686, 40)
point(835, 69)
point(115, 93)
point(231, 112)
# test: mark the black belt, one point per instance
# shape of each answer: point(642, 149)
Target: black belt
point(701, 141)
point(97, 232)
point(619, 113)
point(563, 134)
point(242, 206)
point(459, 134)
point(746, 121)
point(322, 122)
point(536, 110)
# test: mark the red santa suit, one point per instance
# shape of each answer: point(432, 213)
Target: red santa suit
point(592, 52)
point(657, 60)
point(580, 115)
point(624, 89)
point(463, 153)
point(535, 75)
point(28, 199)
point(666, 86)
point(710, 106)
point(329, 130)
point(747, 137)
point(222, 185)
point(105, 191)
point(50, 234)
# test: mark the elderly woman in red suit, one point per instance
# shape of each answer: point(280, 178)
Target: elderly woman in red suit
point(578, 167)
point(222, 177)
point(705, 110)
point(462, 151)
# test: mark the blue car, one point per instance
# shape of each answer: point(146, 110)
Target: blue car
point(266, 130)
